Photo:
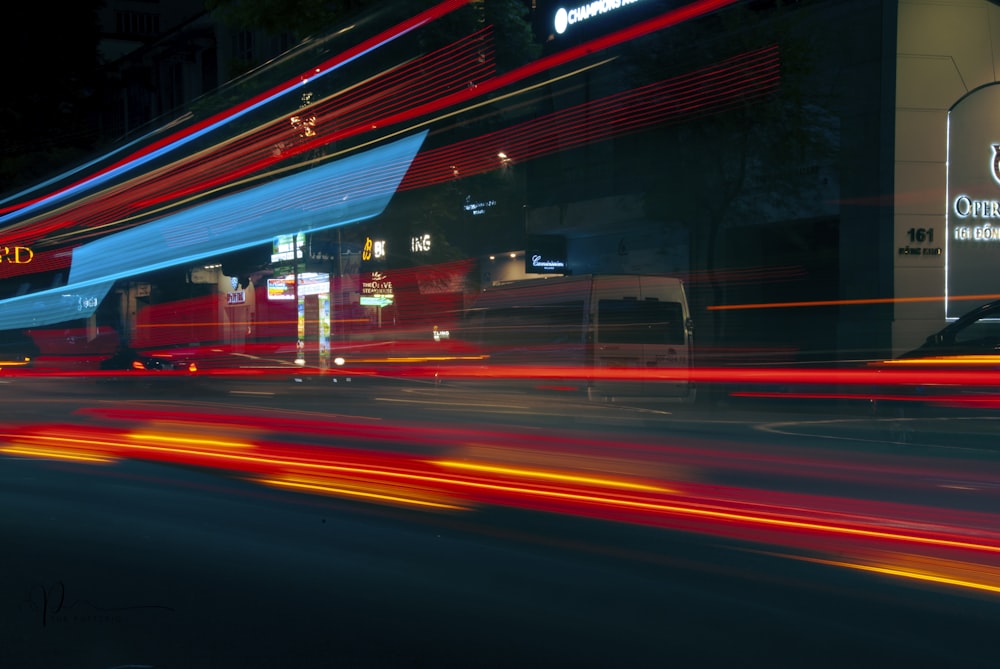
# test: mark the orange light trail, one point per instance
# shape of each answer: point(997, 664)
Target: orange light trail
point(839, 303)
point(320, 487)
point(547, 475)
point(973, 360)
point(476, 483)
point(904, 573)
point(78, 455)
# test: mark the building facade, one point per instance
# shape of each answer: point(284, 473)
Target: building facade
point(820, 173)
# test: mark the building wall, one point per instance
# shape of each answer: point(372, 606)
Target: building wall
point(945, 49)
point(161, 57)
point(857, 42)
point(841, 68)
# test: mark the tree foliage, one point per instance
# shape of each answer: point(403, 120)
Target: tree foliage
point(299, 18)
point(752, 162)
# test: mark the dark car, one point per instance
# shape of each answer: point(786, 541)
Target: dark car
point(970, 347)
point(129, 359)
point(16, 349)
point(165, 363)
point(976, 333)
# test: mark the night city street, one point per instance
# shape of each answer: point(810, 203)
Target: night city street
point(500, 333)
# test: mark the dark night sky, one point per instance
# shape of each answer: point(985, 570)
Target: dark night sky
point(50, 89)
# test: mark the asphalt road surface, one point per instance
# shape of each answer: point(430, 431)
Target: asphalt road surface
point(140, 530)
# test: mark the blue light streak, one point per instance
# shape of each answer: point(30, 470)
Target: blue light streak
point(343, 192)
point(75, 170)
point(103, 177)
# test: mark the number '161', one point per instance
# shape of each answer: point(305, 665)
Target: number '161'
point(18, 255)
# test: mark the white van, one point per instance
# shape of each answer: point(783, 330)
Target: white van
point(614, 322)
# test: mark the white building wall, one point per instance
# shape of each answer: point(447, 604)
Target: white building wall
point(945, 49)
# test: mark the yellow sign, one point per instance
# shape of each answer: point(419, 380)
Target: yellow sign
point(16, 255)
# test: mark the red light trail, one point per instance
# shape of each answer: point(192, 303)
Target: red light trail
point(108, 212)
point(659, 482)
point(427, 16)
point(708, 90)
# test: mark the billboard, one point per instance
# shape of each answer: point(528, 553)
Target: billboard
point(281, 289)
point(545, 254)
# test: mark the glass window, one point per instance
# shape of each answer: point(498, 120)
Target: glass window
point(640, 322)
point(984, 331)
point(541, 325)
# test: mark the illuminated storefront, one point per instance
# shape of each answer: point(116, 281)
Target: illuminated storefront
point(972, 235)
point(946, 171)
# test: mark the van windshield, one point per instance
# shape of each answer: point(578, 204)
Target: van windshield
point(640, 322)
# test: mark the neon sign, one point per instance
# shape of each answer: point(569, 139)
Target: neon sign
point(377, 290)
point(16, 255)
point(420, 244)
point(478, 208)
point(972, 213)
point(545, 254)
point(966, 207)
point(539, 262)
point(373, 248)
point(568, 17)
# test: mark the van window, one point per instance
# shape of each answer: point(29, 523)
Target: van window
point(640, 322)
point(541, 325)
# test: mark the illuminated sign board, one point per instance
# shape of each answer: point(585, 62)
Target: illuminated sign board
point(972, 239)
point(373, 249)
point(310, 283)
point(376, 300)
point(377, 283)
point(420, 244)
point(478, 208)
point(545, 254)
point(539, 263)
point(237, 297)
point(376, 290)
point(313, 283)
point(16, 255)
point(284, 247)
point(596, 9)
point(281, 289)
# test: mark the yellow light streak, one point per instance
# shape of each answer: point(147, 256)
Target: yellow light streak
point(193, 441)
point(727, 515)
point(838, 303)
point(623, 503)
point(365, 494)
point(907, 573)
point(947, 360)
point(548, 475)
point(70, 440)
point(75, 456)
